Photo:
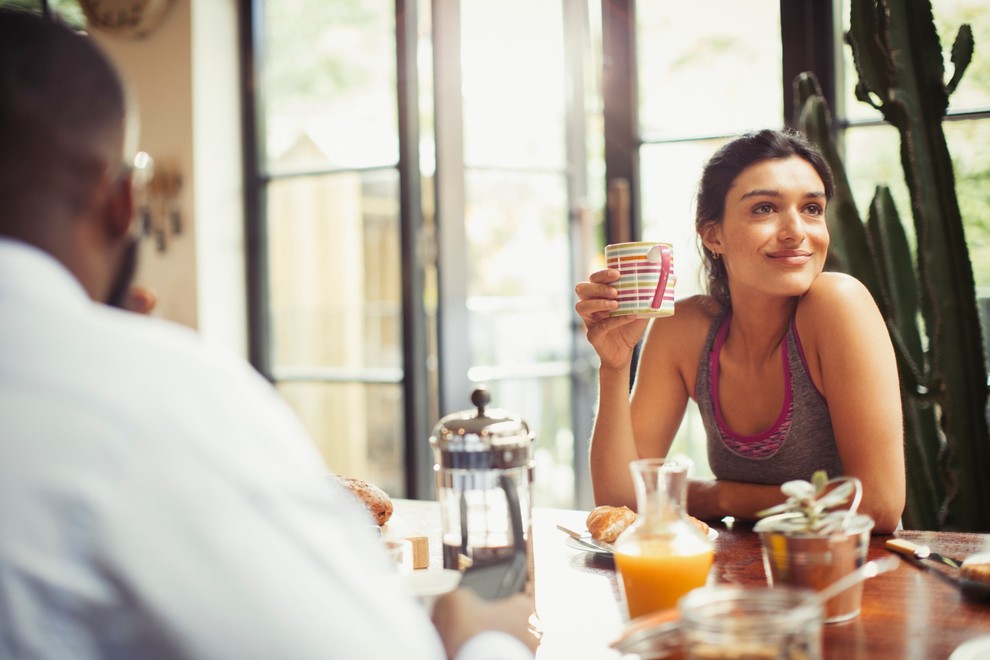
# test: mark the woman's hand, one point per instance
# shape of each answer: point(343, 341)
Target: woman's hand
point(612, 338)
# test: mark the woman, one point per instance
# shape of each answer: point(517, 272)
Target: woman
point(792, 368)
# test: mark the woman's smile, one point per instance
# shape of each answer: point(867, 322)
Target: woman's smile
point(790, 257)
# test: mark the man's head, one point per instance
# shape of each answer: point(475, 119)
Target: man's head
point(63, 184)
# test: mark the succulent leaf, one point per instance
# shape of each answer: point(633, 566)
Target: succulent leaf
point(798, 489)
point(806, 510)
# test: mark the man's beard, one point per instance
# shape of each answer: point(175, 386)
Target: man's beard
point(125, 275)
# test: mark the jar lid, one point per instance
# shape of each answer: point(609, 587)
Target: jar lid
point(497, 438)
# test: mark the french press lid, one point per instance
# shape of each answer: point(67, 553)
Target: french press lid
point(483, 438)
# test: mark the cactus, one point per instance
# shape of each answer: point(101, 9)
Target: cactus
point(929, 300)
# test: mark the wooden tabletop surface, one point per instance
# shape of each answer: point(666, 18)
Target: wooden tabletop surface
point(906, 613)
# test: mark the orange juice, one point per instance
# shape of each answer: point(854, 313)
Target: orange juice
point(654, 579)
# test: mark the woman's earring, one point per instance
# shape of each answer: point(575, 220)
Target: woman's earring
point(715, 255)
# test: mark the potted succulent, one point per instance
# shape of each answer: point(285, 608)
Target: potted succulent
point(814, 538)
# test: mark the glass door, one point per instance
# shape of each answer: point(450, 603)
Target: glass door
point(511, 123)
point(419, 176)
point(335, 296)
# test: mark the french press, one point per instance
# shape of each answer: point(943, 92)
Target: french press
point(484, 470)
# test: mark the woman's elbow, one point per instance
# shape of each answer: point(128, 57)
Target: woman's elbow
point(886, 515)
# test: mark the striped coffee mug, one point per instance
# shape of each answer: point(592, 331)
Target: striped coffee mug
point(646, 283)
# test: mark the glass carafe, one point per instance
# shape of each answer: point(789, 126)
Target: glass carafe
point(662, 555)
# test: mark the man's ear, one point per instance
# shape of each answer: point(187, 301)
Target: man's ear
point(120, 206)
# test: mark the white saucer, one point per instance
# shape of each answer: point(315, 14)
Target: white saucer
point(427, 585)
point(577, 545)
point(977, 648)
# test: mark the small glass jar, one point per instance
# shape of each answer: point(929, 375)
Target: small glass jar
point(751, 623)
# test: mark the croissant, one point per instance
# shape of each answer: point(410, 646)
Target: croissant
point(977, 568)
point(606, 522)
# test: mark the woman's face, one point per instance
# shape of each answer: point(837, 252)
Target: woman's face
point(773, 238)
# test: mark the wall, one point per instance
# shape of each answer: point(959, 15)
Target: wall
point(185, 80)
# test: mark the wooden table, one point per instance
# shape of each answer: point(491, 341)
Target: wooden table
point(906, 613)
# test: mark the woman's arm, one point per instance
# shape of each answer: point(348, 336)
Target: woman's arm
point(644, 425)
point(852, 361)
point(710, 499)
point(612, 444)
point(613, 339)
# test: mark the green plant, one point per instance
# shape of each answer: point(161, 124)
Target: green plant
point(928, 299)
point(810, 506)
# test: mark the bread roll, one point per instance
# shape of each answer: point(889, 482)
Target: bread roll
point(976, 568)
point(606, 522)
point(374, 498)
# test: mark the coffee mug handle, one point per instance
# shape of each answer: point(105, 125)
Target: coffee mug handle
point(664, 276)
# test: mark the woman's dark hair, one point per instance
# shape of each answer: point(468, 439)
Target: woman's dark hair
point(721, 171)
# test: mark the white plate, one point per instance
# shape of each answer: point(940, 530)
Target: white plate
point(973, 649)
point(427, 585)
point(577, 545)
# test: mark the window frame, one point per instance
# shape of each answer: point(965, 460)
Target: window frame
point(414, 378)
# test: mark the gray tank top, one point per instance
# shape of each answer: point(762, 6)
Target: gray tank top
point(798, 443)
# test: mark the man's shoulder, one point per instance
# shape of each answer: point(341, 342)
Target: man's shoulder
point(162, 374)
point(163, 344)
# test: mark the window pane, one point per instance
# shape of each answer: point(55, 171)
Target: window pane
point(873, 157)
point(691, 442)
point(851, 107)
point(334, 271)
point(513, 83)
point(544, 404)
point(973, 90)
point(669, 175)
point(358, 428)
point(328, 84)
point(519, 268)
point(708, 68)
point(971, 162)
point(968, 142)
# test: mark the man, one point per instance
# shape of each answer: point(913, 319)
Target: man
point(158, 500)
